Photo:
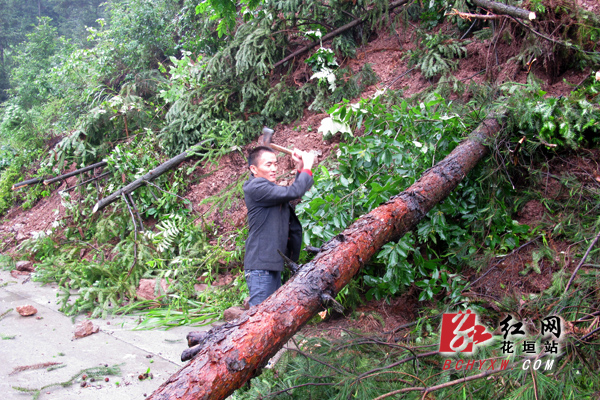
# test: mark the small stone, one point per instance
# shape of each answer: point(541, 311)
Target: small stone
point(27, 310)
point(16, 274)
point(85, 328)
point(247, 303)
point(223, 280)
point(26, 266)
point(233, 313)
point(145, 290)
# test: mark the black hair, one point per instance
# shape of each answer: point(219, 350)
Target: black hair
point(255, 154)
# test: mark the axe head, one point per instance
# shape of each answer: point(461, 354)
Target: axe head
point(265, 138)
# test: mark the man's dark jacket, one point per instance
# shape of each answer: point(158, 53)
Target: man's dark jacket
point(272, 222)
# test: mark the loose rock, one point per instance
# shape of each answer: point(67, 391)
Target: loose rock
point(233, 313)
point(145, 290)
point(85, 328)
point(27, 310)
point(26, 266)
point(200, 287)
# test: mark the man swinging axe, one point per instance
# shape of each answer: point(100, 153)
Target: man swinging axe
point(273, 227)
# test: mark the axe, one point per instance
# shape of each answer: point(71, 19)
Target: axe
point(265, 140)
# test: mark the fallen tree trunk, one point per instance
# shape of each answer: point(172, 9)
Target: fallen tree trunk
point(59, 177)
point(156, 172)
point(73, 173)
point(26, 183)
point(500, 8)
point(232, 354)
point(334, 33)
point(95, 178)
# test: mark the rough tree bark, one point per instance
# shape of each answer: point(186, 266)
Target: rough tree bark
point(230, 355)
point(500, 8)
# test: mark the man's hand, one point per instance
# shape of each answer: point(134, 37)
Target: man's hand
point(308, 158)
point(303, 159)
point(297, 157)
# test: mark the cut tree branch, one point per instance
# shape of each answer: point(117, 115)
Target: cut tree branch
point(469, 16)
point(156, 172)
point(95, 178)
point(500, 8)
point(76, 172)
point(585, 256)
point(58, 178)
point(26, 183)
point(230, 355)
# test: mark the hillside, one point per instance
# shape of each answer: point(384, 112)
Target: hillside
point(386, 53)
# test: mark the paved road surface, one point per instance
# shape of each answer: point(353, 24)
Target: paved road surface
point(48, 337)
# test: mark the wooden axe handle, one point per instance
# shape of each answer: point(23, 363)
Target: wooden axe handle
point(280, 148)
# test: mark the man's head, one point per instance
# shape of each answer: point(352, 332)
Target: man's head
point(263, 163)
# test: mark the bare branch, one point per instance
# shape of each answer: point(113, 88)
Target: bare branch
point(587, 253)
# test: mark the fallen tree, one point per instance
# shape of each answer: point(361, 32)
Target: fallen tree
point(155, 173)
point(29, 182)
point(76, 172)
point(58, 178)
point(228, 356)
point(505, 9)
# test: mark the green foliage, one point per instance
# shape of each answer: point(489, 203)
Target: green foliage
point(344, 46)
point(374, 167)
point(181, 312)
point(565, 122)
point(321, 59)
point(14, 172)
point(102, 261)
point(142, 31)
point(437, 57)
point(230, 90)
point(400, 142)
point(226, 12)
point(35, 60)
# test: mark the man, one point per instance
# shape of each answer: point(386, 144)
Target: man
point(272, 222)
